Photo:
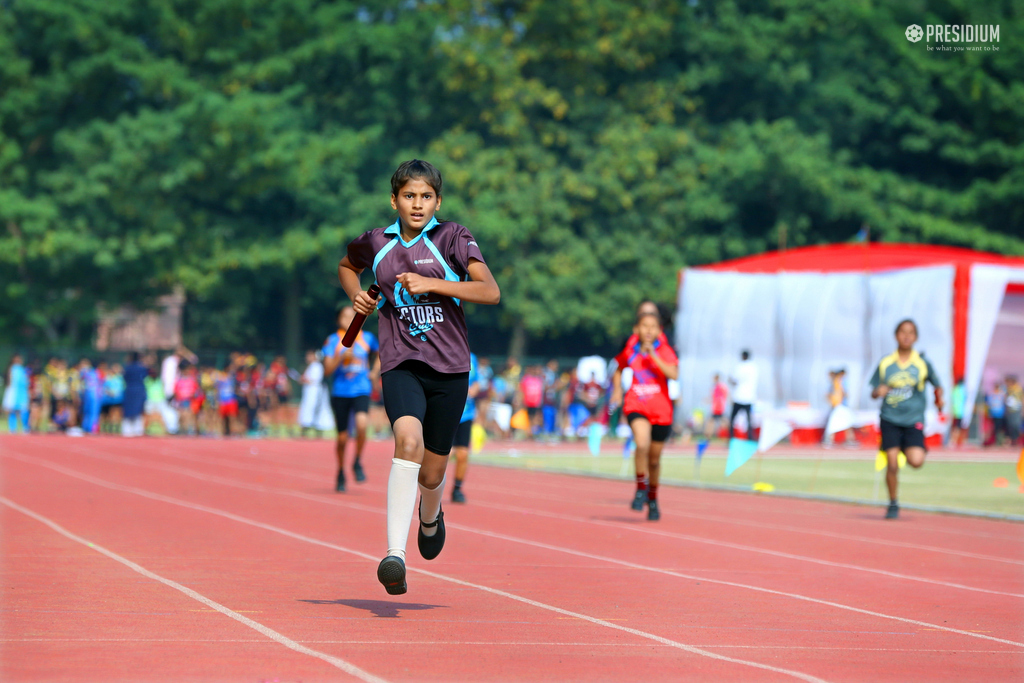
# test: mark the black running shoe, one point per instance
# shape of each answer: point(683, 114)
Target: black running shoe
point(458, 496)
point(430, 546)
point(339, 486)
point(638, 501)
point(357, 470)
point(391, 574)
point(653, 513)
point(893, 512)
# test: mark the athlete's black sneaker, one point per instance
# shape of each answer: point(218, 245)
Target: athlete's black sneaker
point(391, 574)
point(357, 470)
point(458, 496)
point(639, 500)
point(339, 486)
point(893, 512)
point(430, 546)
point(653, 513)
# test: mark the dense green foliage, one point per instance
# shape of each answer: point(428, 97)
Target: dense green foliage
point(594, 147)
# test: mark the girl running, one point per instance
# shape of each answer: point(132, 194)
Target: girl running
point(425, 270)
point(899, 380)
point(647, 406)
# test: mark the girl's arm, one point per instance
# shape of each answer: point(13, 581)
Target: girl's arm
point(332, 362)
point(670, 371)
point(348, 275)
point(616, 388)
point(481, 289)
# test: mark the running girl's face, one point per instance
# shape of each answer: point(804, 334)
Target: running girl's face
point(648, 329)
point(906, 336)
point(416, 204)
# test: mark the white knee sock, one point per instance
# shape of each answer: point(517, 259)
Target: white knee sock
point(430, 505)
point(402, 484)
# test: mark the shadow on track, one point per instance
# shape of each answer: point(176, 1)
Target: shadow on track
point(380, 608)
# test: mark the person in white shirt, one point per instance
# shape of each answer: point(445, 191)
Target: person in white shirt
point(315, 403)
point(744, 393)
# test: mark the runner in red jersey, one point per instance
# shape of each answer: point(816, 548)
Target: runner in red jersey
point(648, 407)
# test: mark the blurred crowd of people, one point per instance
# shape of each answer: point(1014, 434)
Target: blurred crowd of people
point(245, 396)
point(176, 395)
point(999, 413)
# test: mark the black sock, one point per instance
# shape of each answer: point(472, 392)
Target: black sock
point(458, 484)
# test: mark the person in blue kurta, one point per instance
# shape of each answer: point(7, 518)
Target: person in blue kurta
point(135, 374)
point(16, 395)
point(92, 396)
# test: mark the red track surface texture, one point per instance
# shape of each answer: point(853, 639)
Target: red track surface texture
point(178, 559)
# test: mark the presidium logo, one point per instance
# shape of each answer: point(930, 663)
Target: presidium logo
point(956, 33)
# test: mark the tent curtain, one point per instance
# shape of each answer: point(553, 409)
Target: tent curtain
point(988, 287)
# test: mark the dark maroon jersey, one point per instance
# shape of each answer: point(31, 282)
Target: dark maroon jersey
point(426, 327)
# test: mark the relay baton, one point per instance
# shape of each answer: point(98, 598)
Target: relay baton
point(357, 321)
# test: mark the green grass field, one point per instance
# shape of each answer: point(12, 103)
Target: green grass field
point(966, 486)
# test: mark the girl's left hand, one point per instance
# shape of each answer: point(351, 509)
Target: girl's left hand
point(415, 283)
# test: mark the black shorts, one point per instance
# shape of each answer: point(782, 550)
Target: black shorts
point(532, 412)
point(344, 406)
point(463, 434)
point(659, 433)
point(896, 436)
point(436, 399)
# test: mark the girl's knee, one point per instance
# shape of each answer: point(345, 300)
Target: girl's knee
point(408, 447)
point(430, 480)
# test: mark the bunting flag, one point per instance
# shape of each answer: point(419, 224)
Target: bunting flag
point(740, 451)
point(772, 432)
point(477, 438)
point(594, 434)
point(703, 446)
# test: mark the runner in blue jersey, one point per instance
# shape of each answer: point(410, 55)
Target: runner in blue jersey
point(349, 374)
point(465, 432)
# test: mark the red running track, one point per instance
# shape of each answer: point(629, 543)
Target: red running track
point(204, 560)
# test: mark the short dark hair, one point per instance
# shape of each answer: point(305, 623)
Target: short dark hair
point(745, 354)
point(415, 168)
point(904, 322)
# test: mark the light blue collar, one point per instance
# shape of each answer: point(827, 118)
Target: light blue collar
point(396, 229)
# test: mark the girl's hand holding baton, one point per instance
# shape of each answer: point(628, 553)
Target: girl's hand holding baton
point(364, 304)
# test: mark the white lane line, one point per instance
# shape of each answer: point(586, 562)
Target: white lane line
point(254, 625)
point(631, 565)
point(487, 589)
point(748, 548)
point(300, 474)
point(785, 527)
point(489, 643)
point(584, 520)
